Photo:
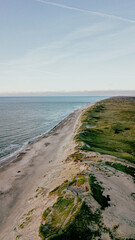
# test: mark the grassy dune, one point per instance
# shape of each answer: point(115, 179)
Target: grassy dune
point(98, 192)
point(71, 216)
point(109, 128)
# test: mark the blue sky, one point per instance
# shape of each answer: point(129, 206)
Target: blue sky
point(67, 45)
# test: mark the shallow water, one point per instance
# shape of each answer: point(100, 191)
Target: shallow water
point(25, 118)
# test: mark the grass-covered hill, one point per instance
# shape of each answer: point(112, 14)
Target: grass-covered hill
point(109, 128)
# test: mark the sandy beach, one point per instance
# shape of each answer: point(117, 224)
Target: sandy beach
point(38, 167)
point(55, 170)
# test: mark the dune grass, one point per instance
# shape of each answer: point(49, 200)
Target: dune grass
point(108, 128)
point(123, 168)
point(78, 225)
point(97, 192)
point(55, 217)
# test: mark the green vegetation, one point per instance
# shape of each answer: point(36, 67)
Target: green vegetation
point(77, 156)
point(97, 192)
point(55, 217)
point(123, 168)
point(73, 181)
point(70, 217)
point(18, 236)
point(112, 129)
point(58, 190)
point(25, 223)
point(81, 179)
point(82, 224)
point(39, 190)
point(133, 196)
point(78, 225)
point(46, 212)
point(100, 161)
point(30, 212)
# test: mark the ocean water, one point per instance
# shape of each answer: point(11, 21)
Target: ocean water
point(23, 119)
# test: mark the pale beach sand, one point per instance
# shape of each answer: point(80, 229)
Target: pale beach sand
point(37, 169)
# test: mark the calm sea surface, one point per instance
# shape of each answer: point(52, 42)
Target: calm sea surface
point(25, 118)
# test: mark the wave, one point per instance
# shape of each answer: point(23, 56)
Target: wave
point(9, 148)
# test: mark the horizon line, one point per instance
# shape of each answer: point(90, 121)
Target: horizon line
point(71, 93)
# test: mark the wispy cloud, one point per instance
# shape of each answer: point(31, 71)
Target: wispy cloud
point(75, 43)
point(100, 14)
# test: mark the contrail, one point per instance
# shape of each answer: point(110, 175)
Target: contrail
point(87, 11)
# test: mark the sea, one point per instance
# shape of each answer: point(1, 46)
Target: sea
point(23, 119)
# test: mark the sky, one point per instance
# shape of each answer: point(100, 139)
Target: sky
point(66, 45)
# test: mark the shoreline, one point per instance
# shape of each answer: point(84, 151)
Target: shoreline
point(29, 169)
point(4, 161)
point(55, 171)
